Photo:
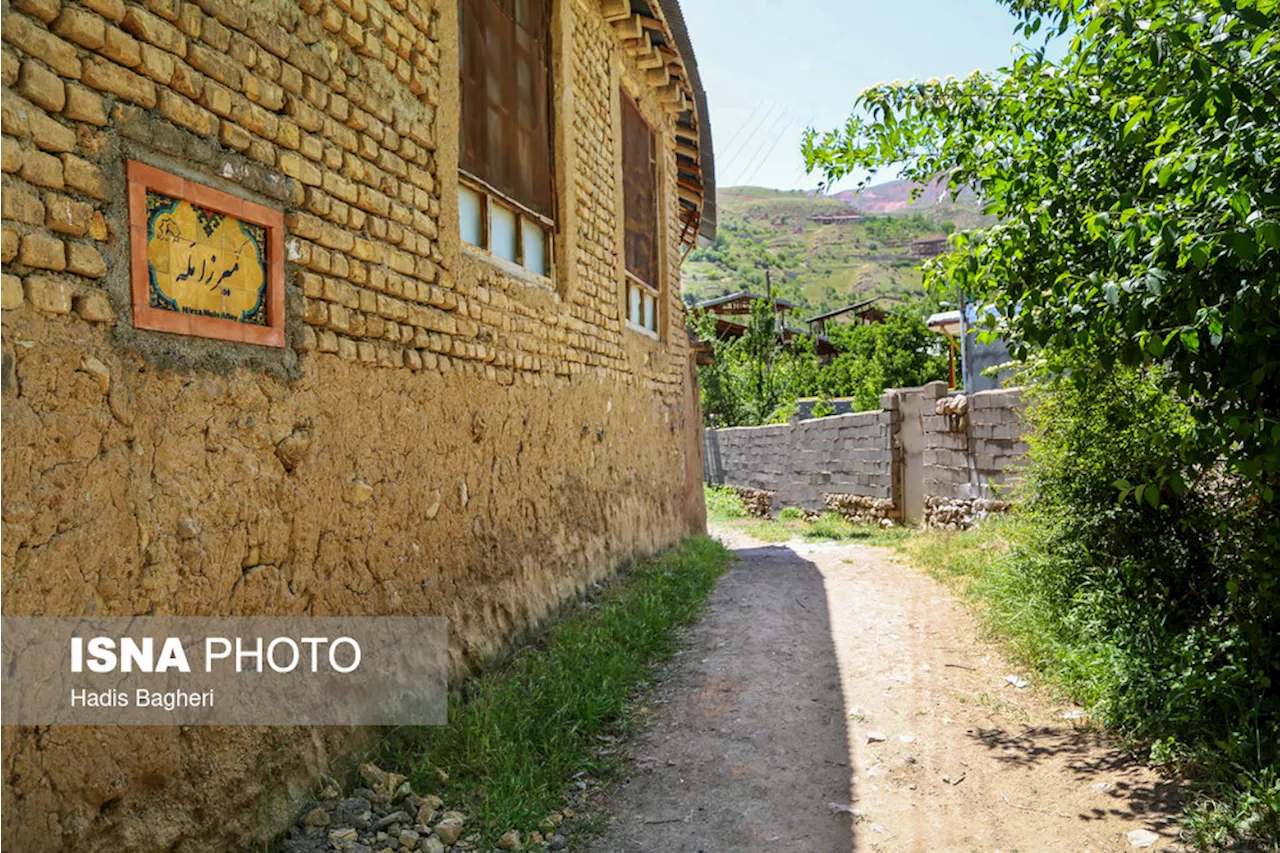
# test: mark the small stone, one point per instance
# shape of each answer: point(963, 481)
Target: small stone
point(1142, 838)
point(510, 840)
point(316, 817)
point(361, 492)
point(449, 829)
point(409, 839)
point(557, 842)
point(98, 227)
point(347, 833)
point(876, 737)
point(291, 450)
point(431, 844)
point(188, 529)
point(98, 371)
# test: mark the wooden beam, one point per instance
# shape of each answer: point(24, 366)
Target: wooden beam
point(658, 77)
point(686, 149)
point(617, 10)
point(651, 60)
point(630, 28)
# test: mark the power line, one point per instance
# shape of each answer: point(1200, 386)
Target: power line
point(749, 141)
point(776, 132)
point(738, 133)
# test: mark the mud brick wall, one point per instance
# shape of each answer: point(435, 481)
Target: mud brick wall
point(443, 434)
point(803, 462)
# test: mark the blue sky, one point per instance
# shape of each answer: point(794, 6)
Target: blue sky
point(771, 67)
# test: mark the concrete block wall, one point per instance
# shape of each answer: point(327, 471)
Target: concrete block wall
point(968, 459)
point(804, 461)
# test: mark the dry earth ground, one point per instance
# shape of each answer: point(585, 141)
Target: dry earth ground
point(765, 732)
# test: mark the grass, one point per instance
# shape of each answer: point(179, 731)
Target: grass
point(519, 733)
point(726, 507)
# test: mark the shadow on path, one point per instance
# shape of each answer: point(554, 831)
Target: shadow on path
point(747, 746)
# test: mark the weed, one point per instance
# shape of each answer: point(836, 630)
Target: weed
point(518, 733)
point(723, 503)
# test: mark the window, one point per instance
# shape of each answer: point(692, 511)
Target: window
point(640, 212)
point(505, 196)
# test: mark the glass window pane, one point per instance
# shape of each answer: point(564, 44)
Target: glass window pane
point(535, 247)
point(471, 216)
point(633, 304)
point(650, 318)
point(502, 232)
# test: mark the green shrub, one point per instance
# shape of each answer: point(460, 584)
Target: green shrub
point(791, 513)
point(1148, 586)
point(723, 503)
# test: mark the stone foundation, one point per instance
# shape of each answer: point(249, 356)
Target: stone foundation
point(959, 513)
point(758, 502)
point(860, 509)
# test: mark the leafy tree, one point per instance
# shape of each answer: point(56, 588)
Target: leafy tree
point(1137, 181)
point(899, 353)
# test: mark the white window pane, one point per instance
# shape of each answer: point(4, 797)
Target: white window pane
point(471, 216)
point(535, 246)
point(502, 232)
point(650, 315)
point(633, 304)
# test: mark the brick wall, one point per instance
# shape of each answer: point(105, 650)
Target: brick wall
point(443, 434)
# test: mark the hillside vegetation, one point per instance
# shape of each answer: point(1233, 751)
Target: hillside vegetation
point(819, 266)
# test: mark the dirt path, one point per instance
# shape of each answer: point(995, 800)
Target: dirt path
point(768, 725)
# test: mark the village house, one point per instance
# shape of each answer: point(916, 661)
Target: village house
point(331, 307)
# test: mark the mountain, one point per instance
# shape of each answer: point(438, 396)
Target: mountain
point(823, 252)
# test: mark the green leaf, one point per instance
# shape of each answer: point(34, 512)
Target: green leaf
point(1190, 339)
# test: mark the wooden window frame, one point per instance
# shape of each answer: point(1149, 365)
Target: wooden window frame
point(489, 196)
point(630, 279)
point(141, 177)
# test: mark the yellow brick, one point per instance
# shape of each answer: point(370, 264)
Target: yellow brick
point(94, 307)
point(217, 98)
point(83, 105)
point(112, 10)
point(43, 251)
point(10, 245)
point(67, 215)
point(235, 136)
point(41, 86)
point(82, 175)
point(157, 64)
point(299, 168)
point(9, 68)
point(215, 65)
point(82, 27)
point(42, 169)
point(10, 155)
point(48, 294)
point(183, 112)
point(109, 77)
point(45, 10)
point(84, 259)
point(153, 30)
point(13, 117)
point(22, 204)
point(49, 134)
point(10, 292)
point(121, 47)
point(187, 81)
point(34, 41)
point(254, 118)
